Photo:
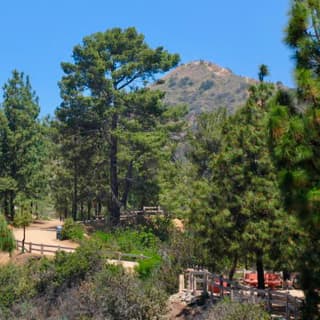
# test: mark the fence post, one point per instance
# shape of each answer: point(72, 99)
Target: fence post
point(205, 282)
point(41, 248)
point(269, 300)
point(295, 309)
point(181, 282)
point(30, 247)
point(287, 307)
point(194, 284)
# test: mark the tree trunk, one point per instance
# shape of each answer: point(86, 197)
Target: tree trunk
point(6, 204)
point(114, 187)
point(11, 204)
point(260, 270)
point(75, 191)
point(81, 210)
point(233, 267)
point(127, 186)
point(99, 208)
point(89, 210)
point(24, 238)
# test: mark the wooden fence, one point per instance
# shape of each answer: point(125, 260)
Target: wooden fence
point(46, 248)
point(275, 302)
point(42, 248)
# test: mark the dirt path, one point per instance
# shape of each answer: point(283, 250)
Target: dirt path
point(39, 232)
point(43, 232)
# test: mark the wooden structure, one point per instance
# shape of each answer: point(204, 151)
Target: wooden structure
point(145, 212)
point(128, 215)
point(51, 249)
point(202, 281)
point(42, 248)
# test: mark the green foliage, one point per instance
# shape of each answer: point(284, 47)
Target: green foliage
point(295, 145)
point(113, 294)
point(110, 120)
point(147, 266)
point(22, 218)
point(136, 242)
point(227, 310)
point(7, 241)
point(22, 146)
point(77, 285)
point(302, 35)
point(72, 230)
point(236, 205)
point(263, 72)
point(15, 285)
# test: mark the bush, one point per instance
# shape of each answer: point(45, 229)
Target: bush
point(7, 241)
point(72, 230)
point(147, 266)
point(113, 294)
point(14, 285)
point(227, 310)
point(206, 85)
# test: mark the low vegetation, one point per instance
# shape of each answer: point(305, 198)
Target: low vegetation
point(227, 310)
point(72, 230)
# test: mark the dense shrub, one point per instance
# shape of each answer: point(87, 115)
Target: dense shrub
point(206, 85)
point(72, 230)
point(114, 294)
point(7, 241)
point(227, 310)
point(136, 242)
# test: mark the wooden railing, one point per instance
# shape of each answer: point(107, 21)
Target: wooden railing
point(42, 248)
point(46, 248)
point(197, 281)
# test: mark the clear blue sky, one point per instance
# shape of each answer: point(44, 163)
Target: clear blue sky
point(36, 35)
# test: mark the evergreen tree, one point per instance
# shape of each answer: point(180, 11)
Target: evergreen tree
point(7, 241)
point(22, 219)
point(106, 85)
point(295, 139)
point(236, 206)
point(23, 147)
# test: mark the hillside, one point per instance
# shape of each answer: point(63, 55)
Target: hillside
point(204, 86)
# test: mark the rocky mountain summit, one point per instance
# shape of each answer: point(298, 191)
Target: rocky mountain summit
point(204, 86)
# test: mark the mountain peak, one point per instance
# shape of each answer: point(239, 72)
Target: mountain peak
point(204, 86)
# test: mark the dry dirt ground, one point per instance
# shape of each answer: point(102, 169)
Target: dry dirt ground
point(44, 232)
point(39, 232)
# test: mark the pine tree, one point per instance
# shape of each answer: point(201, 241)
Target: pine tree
point(107, 84)
point(23, 147)
point(236, 205)
point(295, 137)
point(7, 241)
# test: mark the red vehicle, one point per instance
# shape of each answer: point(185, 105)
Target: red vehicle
point(215, 287)
point(271, 280)
point(251, 279)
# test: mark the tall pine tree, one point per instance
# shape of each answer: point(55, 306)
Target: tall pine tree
point(108, 80)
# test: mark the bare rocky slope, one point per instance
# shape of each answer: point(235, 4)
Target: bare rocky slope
point(204, 86)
